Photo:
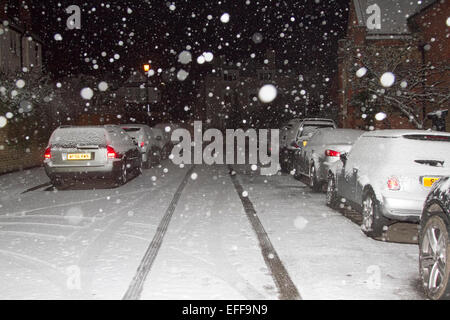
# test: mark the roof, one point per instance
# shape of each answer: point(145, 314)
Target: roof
point(394, 15)
point(394, 133)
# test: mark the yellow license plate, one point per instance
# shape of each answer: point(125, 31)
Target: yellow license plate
point(429, 181)
point(79, 156)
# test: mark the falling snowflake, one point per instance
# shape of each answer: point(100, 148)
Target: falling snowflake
point(267, 93)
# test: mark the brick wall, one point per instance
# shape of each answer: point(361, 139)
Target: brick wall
point(15, 158)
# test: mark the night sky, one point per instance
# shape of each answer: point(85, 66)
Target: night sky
point(303, 33)
point(311, 29)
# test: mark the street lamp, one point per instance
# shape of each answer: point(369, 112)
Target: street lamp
point(147, 68)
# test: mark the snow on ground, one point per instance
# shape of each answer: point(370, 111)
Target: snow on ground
point(80, 243)
point(327, 256)
point(210, 250)
point(87, 243)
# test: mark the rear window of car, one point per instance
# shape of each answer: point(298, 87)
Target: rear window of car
point(73, 137)
point(137, 133)
point(402, 150)
point(312, 128)
point(132, 129)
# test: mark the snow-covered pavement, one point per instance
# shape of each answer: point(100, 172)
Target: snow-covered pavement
point(88, 243)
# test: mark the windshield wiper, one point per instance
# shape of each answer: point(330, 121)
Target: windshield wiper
point(433, 163)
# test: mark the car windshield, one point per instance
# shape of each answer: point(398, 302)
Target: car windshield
point(225, 150)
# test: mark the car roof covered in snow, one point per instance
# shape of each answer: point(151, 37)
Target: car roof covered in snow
point(394, 133)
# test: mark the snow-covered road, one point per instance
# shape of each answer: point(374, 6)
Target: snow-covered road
point(85, 243)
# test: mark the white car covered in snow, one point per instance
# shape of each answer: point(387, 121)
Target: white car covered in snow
point(322, 150)
point(295, 135)
point(388, 174)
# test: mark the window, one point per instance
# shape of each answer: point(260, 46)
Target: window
point(265, 76)
point(13, 43)
point(229, 75)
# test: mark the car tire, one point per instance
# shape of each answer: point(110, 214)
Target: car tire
point(58, 183)
point(122, 178)
point(140, 168)
point(434, 257)
point(156, 156)
point(147, 164)
point(331, 196)
point(285, 162)
point(313, 182)
point(374, 222)
point(166, 150)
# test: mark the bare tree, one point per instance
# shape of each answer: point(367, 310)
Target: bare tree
point(418, 86)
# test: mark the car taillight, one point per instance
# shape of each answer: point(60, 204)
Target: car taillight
point(111, 152)
point(48, 153)
point(142, 144)
point(393, 183)
point(332, 153)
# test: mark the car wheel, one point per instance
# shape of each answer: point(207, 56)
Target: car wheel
point(140, 167)
point(147, 164)
point(165, 153)
point(434, 258)
point(123, 174)
point(58, 183)
point(373, 221)
point(313, 182)
point(331, 198)
point(285, 162)
point(156, 156)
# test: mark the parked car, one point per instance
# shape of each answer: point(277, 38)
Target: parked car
point(80, 152)
point(296, 134)
point(434, 242)
point(167, 129)
point(388, 174)
point(150, 141)
point(288, 132)
point(323, 148)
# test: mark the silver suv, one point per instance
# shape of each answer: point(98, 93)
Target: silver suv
point(80, 152)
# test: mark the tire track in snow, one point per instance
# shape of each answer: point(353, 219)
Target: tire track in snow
point(135, 288)
point(286, 287)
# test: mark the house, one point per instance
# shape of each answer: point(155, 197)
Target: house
point(432, 25)
point(417, 30)
point(20, 51)
point(229, 94)
point(20, 48)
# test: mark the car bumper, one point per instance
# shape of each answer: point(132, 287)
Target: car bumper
point(402, 209)
point(109, 170)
